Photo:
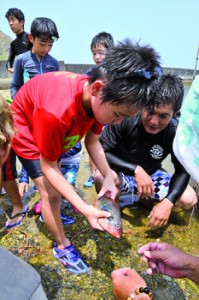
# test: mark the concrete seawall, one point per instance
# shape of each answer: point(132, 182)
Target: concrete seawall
point(5, 76)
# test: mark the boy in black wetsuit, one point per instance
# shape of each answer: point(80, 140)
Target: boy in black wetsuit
point(136, 148)
point(21, 43)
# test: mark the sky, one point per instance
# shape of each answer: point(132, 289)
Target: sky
point(169, 26)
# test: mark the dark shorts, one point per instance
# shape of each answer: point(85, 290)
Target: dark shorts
point(32, 167)
point(9, 170)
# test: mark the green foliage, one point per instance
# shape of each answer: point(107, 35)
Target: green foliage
point(3, 57)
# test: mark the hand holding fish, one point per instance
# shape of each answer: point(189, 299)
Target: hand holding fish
point(93, 214)
point(144, 183)
point(108, 187)
point(113, 224)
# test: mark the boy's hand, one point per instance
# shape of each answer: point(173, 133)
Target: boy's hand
point(93, 214)
point(23, 188)
point(108, 188)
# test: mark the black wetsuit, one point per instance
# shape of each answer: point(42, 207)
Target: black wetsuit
point(19, 45)
point(128, 144)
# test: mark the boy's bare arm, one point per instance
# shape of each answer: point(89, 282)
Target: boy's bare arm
point(60, 184)
point(97, 154)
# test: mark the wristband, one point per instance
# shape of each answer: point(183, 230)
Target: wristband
point(137, 291)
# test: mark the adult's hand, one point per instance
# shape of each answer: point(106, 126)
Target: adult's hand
point(125, 281)
point(165, 259)
point(160, 214)
point(144, 183)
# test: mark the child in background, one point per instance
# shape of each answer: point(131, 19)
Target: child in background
point(21, 43)
point(100, 44)
point(47, 128)
point(43, 33)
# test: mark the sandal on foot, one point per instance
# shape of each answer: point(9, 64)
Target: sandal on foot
point(21, 214)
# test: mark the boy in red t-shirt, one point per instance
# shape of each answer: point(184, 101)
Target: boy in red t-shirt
point(54, 111)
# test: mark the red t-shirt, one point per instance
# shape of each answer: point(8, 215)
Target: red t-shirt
point(49, 115)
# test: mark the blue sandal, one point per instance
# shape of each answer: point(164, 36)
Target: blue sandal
point(21, 214)
point(66, 220)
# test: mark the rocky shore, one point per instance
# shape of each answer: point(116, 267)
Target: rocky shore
point(32, 242)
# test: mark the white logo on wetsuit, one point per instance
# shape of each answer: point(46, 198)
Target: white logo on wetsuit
point(156, 152)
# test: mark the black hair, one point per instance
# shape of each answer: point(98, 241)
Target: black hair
point(44, 28)
point(128, 71)
point(167, 89)
point(102, 38)
point(17, 13)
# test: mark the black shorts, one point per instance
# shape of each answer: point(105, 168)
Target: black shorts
point(32, 167)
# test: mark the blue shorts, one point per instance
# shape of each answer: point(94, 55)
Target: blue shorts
point(160, 178)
